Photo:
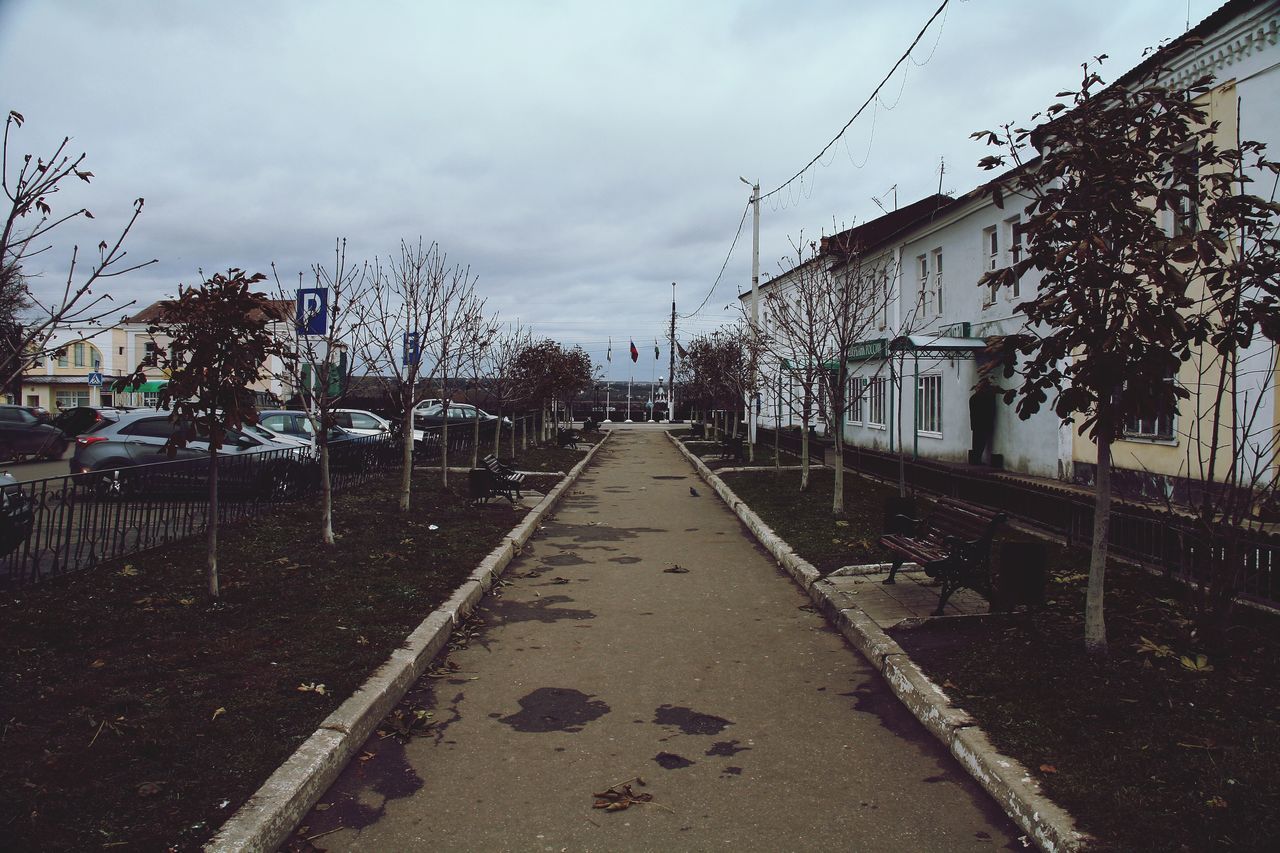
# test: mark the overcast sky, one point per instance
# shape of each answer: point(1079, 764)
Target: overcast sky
point(580, 156)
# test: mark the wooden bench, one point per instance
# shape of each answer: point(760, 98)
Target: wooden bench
point(953, 545)
point(506, 480)
point(733, 447)
point(568, 438)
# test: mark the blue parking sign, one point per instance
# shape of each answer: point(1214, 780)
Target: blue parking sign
point(313, 310)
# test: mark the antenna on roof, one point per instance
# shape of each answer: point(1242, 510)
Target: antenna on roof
point(893, 189)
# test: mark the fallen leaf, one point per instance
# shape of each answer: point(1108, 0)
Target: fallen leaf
point(311, 687)
point(186, 602)
point(149, 789)
point(128, 571)
point(1048, 768)
point(1216, 803)
point(218, 713)
point(98, 664)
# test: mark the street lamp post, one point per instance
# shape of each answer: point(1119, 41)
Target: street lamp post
point(755, 300)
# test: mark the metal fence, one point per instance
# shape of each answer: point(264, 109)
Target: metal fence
point(1168, 541)
point(60, 525)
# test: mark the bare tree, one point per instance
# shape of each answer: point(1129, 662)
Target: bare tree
point(830, 302)
point(326, 322)
point(457, 340)
point(30, 321)
point(402, 305)
point(501, 383)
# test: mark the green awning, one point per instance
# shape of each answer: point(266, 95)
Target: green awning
point(152, 387)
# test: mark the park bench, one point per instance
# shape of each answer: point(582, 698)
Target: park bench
point(504, 481)
point(697, 429)
point(952, 545)
point(568, 438)
point(733, 447)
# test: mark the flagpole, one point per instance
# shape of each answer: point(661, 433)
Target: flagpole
point(608, 386)
point(630, 376)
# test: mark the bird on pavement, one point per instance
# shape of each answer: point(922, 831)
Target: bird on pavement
point(693, 491)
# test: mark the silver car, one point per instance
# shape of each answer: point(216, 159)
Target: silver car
point(142, 437)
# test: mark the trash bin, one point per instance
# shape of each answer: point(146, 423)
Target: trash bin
point(1018, 576)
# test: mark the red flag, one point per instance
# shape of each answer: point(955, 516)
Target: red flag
point(635, 353)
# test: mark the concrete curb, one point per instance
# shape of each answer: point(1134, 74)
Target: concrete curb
point(270, 815)
point(1006, 780)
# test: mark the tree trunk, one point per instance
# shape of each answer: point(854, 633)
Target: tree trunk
point(326, 496)
point(211, 568)
point(804, 452)
point(444, 449)
point(1095, 627)
point(777, 442)
point(497, 433)
point(837, 491)
point(406, 459)
point(475, 442)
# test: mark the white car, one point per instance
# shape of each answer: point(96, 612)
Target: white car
point(360, 422)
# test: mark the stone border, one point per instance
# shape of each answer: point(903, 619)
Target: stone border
point(1006, 780)
point(266, 820)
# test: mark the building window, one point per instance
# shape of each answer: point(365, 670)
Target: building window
point(69, 399)
point(1017, 249)
point(875, 402)
point(77, 354)
point(95, 357)
point(1156, 426)
point(151, 399)
point(926, 295)
point(149, 354)
point(937, 280)
point(991, 251)
point(929, 405)
point(63, 361)
point(1186, 181)
point(33, 399)
point(856, 406)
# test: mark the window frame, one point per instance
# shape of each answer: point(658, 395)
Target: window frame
point(929, 411)
point(875, 402)
point(937, 279)
point(991, 252)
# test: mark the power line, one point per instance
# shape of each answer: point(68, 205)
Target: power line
point(723, 266)
point(865, 104)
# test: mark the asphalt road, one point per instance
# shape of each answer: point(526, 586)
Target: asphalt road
point(39, 470)
point(753, 725)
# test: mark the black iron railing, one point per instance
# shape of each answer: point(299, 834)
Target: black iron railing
point(1155, 537)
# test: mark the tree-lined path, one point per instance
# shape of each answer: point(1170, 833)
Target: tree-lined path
point(753, 724)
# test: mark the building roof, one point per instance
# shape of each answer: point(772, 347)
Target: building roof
point(280, 310)
point(1190, 39)
point(880, 230)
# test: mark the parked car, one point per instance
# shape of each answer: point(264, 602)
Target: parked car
point(142, 437)
point(297, 425)
point(17, 514)
point(460, 415)
point(361, 422)
point(81, 418)
point(23, 433)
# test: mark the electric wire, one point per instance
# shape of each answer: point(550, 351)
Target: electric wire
point(906, 55)
point(723, 266)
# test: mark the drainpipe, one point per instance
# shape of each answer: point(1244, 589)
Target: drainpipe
point(915, 415)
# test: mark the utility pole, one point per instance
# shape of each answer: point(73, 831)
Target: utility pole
point(755, 305)
point(671, 370)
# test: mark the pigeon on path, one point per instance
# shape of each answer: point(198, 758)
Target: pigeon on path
point(693, 491)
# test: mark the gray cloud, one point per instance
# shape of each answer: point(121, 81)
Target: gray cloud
point(580, 156)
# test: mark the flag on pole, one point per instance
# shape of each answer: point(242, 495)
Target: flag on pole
point(655, 350)
point(609, 355)
point(635, 353)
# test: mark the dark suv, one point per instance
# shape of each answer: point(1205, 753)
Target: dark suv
point(24, 433)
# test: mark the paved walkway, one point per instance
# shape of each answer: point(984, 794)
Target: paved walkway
point(753, 725)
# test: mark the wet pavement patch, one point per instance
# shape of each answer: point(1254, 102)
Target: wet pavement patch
point(625, 561)
point(669, 477)
point(569, 559)
point(726, 748)
point(731, 771)
point(545, 609)
point(555, 709)
point(691, 722)
point(671, 761)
